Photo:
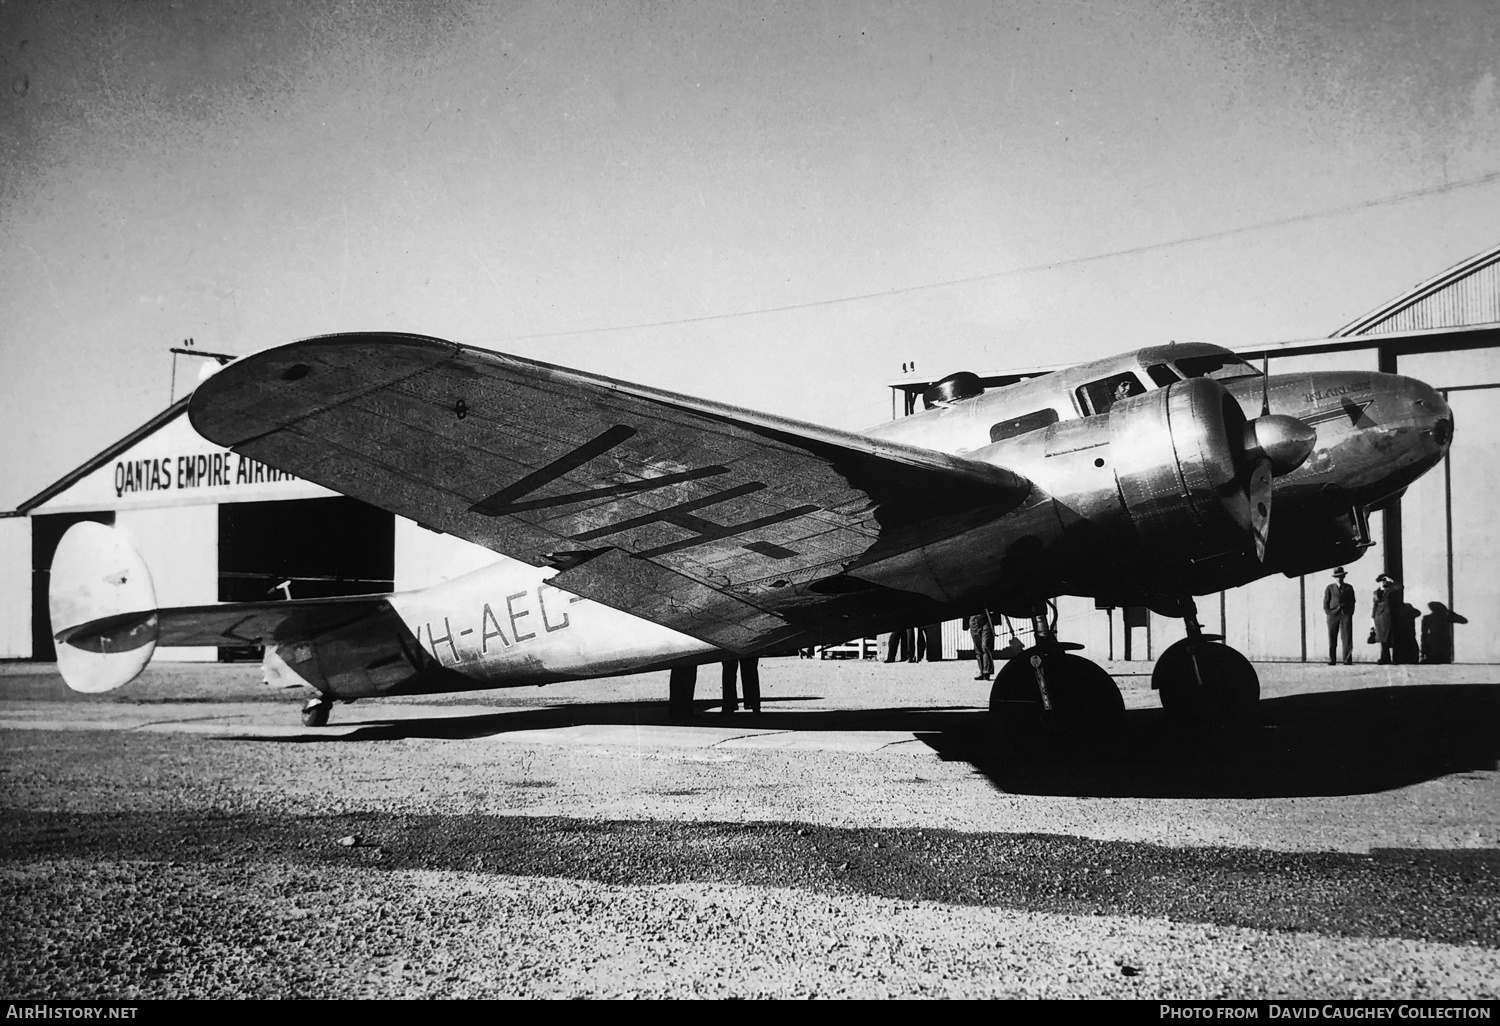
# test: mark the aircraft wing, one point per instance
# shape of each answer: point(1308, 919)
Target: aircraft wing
point(225, 623)
point(731, 526)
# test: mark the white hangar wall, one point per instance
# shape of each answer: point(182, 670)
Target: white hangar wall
point(15, 587)
point(425, 558)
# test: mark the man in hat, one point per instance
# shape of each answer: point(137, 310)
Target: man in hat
point(1389, 600)
point(1338, 606)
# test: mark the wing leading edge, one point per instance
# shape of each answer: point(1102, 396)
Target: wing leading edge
point(731, 526)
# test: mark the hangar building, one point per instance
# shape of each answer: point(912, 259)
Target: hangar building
point(214, 526)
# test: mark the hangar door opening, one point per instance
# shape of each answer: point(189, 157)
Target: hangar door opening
point(46, 532)
point(303, 548)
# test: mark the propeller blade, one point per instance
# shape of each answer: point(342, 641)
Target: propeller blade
point(1258, 497)
point(1265, 384)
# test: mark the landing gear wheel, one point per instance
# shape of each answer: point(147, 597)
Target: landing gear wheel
point(315, 713)
point(1227, 696)
point(1084, 697)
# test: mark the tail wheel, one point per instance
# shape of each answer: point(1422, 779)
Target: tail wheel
point(315, 713)
point(1226, 695)
point(1083, 695)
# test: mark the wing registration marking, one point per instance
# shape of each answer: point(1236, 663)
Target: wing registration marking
point(672, 514)
point(707, 531)
point(703, 531)
point(500, 503)
point(504, 501)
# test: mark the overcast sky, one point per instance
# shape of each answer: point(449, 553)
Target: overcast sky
point(546, 178)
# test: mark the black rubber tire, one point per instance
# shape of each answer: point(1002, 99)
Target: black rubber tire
point(316, 715)
point(1228, 697)
point(1083, 695)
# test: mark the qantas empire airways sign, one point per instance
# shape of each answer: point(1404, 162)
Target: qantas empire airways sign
point(177, 466)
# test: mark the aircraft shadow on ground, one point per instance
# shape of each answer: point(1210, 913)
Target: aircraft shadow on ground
point(781, 714)
point(1330, 743)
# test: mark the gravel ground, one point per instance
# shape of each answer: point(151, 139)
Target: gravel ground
point(186, 837)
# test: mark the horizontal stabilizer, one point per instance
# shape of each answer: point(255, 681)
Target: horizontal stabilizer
point(107, 628)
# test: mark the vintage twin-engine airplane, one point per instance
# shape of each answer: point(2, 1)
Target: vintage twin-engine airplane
point(647, 530)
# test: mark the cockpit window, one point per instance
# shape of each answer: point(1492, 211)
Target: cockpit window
point(1162, 374)
point(1219, 366)
point(1098, 396)
point(1021, 425)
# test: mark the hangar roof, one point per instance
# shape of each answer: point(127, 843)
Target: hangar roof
point(165, 462)
point(93, 463)
point(1466, 294)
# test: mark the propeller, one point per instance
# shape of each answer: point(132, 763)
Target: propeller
point(1271, 445)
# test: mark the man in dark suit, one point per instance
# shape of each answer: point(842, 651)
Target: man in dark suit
point(981, 628)
point(681, 682)
point(749, 671)
point(1338, 605)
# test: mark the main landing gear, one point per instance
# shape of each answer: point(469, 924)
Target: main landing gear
point(315, 712)
point(1046, 686)
point(1203, 682)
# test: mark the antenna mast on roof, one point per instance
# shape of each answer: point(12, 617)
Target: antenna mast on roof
point(189, 348)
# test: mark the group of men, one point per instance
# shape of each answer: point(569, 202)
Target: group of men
point(1394, 629)
point(915, 644)
point(1394, 624)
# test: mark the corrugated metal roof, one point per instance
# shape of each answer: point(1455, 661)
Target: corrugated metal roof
point(1468, 293)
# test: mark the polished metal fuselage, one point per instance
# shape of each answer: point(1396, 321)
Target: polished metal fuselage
point(500, 626)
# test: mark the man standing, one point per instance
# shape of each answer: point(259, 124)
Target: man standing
point(681, 682)
point(749, 671)
point(982, 629)
point(1338, 605)
point(1389, 598)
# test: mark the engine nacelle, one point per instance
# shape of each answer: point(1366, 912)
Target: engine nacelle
point(1156, 493)
point(1180, 466)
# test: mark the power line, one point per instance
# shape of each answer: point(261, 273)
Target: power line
point(1432, 190)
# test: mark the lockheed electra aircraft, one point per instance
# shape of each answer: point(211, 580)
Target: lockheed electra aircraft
point(644, 530)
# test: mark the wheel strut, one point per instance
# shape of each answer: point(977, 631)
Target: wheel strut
point(1046, 639)
point(1202, 681)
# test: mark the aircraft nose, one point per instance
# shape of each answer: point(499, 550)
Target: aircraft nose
point(1433, 416)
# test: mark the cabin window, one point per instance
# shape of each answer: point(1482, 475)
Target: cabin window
point(1020, 425)
point(1162, 375)
point(1098, 396)
point(1219, 366)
